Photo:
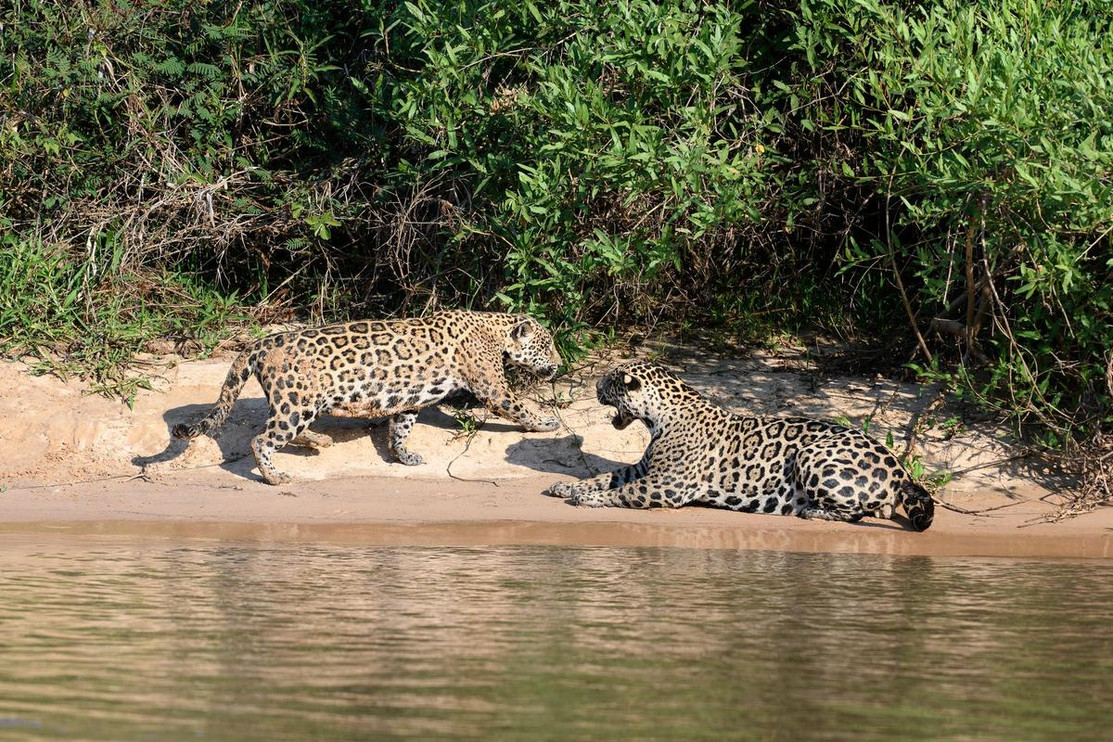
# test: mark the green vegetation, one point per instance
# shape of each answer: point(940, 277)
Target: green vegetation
point(98, 316)
point(986, 132)
point(931, 175)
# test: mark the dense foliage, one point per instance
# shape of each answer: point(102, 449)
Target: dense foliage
point(937, 172)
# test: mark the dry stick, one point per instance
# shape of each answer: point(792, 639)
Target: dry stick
point(144, 475)
point(470, 438)
point(1016, 346)
point(896, 274)
point(996, 462)
point(467, 446)
point(970, 281)
point(574, 378)
point(1109, 372)
point(908, 309)
point(1095, 471)
point(29, 487)
point(978, 513)
point(914, 421)
point(1061, 514)
point(976, 312)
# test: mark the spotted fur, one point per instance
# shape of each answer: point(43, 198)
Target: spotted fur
point(389, 368)
point(702, 453)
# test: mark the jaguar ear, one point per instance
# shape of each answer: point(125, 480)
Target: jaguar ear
point(631, 383)
point(521, 330)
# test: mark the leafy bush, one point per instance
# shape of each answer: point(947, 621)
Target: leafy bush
point(607, 151)
point(985, 129)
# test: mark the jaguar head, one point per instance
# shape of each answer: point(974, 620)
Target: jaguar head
point(530, 346)
point(621, 388)
point(642, 391)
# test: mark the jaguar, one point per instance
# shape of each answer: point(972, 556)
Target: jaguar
point(702, 453)
point(383, 368)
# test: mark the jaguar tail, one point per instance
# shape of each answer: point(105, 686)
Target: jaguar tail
point(918, 504)
point(242, 369)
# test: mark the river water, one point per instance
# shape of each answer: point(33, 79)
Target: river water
point(117, 639)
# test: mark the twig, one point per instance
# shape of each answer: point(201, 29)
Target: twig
point(467, 446)
point(896, 275)
point(124, 477)
point(970, 282)
point(978, 513)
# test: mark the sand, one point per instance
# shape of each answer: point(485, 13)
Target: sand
point(74, 462)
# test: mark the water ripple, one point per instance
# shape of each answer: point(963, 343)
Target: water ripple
point(244, 642)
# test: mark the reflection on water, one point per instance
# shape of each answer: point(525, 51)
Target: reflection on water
point(109, 640)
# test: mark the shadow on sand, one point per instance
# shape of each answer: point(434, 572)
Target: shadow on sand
point(249, 416)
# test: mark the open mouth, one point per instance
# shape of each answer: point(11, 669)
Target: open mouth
point(620, 421)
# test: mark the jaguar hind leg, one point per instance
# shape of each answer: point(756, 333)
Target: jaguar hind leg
point(400, 427)
point(831, 476)
point(281, 429)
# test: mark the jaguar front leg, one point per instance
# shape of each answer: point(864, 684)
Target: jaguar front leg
point(497, 397)
point(650, 491)
point(607, 481)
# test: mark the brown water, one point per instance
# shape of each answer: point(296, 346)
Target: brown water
point(104, 639)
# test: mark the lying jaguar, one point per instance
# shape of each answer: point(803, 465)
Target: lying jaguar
point(390, 368)
point(702, 453)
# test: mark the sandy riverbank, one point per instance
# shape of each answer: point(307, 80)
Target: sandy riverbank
point(71, 462)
